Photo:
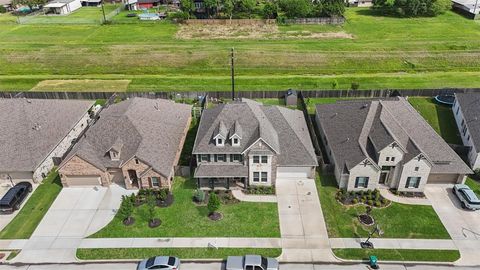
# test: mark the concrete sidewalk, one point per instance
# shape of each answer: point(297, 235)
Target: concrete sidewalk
point(253, 198)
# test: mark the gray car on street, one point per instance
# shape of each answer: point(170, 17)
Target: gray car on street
point(251, 262)
point(160, 262)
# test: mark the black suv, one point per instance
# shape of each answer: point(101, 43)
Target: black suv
point(14, 197)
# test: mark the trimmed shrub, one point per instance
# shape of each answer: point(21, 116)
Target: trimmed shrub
point(213, 203)
point(378, 204)
point(199, 195)
point(370, 202)
point(355, 201)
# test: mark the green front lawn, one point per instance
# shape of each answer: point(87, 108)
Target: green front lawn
point(186, 219)
point(27, 220)
point(440, 117)
point(396, 220)
point(474, 185)
point(398, 254)
point(184, 253)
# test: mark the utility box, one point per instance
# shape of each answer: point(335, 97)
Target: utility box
point(291, 97)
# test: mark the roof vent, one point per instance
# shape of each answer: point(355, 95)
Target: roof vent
point(365, 105)
point(156, 107)
point(28, 100)
point(36, 126)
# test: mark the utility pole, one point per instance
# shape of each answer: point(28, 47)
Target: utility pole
point(103, 12)
point(233, 75)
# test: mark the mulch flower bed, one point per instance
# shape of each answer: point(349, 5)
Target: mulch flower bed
point(368, 197)
point(154, 223)
point(226, 196)
point(215, 216)
point(163, 197)
point(128, 222)
point(366, 219)
point(408, 194)
point(260, 190)
point(167, 202)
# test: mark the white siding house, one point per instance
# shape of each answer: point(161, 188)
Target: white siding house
point(466, 110)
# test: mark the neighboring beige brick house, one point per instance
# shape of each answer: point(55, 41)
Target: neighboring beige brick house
point(135, 144)
point(36, 132)
point(385, 144)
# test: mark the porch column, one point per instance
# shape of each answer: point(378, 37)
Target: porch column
point(228, 183)
point(198, 183)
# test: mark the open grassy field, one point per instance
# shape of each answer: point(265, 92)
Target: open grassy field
point(384, 52)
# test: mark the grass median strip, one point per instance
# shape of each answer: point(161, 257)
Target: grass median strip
point(27, 220)
point(182, 253)
point(422, 255)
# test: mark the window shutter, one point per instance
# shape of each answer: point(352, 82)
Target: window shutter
point(356, 182)
point(407, 183)
point(366, 181)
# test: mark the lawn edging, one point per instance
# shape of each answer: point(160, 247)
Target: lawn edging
point(454, 255)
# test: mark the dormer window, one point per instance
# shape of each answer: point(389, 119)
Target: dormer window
point(235, 140)
point(114, 155)
point(220, 142)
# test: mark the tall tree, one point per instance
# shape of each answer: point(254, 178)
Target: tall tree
point(296, 8)
point(210, 6)
point(228, 7)
point(188, 7)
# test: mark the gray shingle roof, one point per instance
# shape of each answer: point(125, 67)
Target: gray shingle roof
point(352, 126)
point(221, 171)
point(149, 129)
point(285, 130)
point(32, 128)
point(470, 106)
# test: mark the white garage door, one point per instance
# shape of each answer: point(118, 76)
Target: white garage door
point(294, 172)
point(84, 180)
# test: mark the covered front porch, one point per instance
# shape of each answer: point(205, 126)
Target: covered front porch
point(221, 176)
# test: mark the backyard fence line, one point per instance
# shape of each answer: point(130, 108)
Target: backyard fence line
point(113, 13)
point(320, 20)
point(373, 93)
point(310, 126)
point(228, 21)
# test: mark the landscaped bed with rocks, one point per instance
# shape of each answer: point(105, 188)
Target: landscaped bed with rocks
point(368, 197)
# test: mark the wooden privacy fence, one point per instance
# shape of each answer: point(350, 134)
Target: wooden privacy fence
point(230, 22)
point(253, 94)
point(320, 20)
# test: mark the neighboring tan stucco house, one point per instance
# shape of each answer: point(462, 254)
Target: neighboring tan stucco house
point(135, 144)
point(385, 144)
point(246, 143)
point(466, 110)
point(35, 133)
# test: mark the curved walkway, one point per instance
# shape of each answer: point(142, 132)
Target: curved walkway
point(404, 200)
point(237, 193)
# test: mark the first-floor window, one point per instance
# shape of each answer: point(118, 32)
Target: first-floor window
point(221, 158)
point(264, 176)
point(413, 182)
point(256, 177)
point(205, 157)
point(235, 157)
point(361, 182)
point(155, 182)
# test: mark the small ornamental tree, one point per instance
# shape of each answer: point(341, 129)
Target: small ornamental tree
point(151, 204)
point(213, 203)
point(187, 6)
point(126, 209)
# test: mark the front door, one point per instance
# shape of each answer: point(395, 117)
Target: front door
point(132, 174)
point(383, 177)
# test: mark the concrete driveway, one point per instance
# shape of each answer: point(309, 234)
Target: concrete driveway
point(462, 225)
point(76, 213)
point(302, 227)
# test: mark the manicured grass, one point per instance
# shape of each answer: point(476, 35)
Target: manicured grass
point(185, 219)
point(440, 117)
point(474, 185)
point(384, 53)
point(398, 254)
point(396, 220)
point(23, 225)
point(183, 253)
point(13, 253)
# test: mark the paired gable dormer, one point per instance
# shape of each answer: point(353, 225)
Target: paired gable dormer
point(222, 135)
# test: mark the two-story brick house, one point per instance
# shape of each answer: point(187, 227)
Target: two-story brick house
point(135, 144)
point(246, 143)
point(385, 144)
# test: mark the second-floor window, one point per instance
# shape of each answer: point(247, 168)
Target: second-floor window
point(205, 157)
point(264, 159)
point(235, 157)
point(256, 159)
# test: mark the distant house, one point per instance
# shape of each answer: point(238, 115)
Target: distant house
point(466, 110)
point(385, 144)
point(246, 143)
point(135, 144)
point(360, 3)
point(91, 3)
point(6, 4)
point(36, 132)
point(469, 8)
point(62, 7)
point(147, 3)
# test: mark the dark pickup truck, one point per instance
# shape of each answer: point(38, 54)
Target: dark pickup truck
point(14, 197)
